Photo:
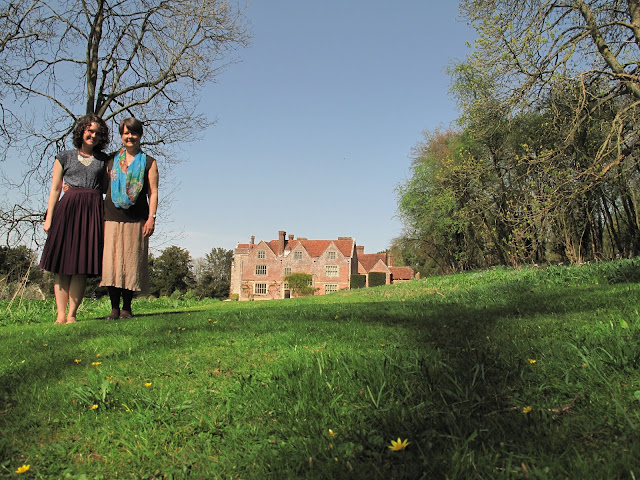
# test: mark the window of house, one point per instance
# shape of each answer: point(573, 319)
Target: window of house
point(287, 271)
point(285, 285)
point(331, 255)
point(261, 253)
point(331, 270)
point(261, 269)
point(260, 288)
point(330, 288)
point(297, 255)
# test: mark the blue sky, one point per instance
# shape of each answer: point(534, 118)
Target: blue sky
point(316, 123)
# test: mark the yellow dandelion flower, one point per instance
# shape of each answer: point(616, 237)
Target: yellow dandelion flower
point(45, 344)
point(97, 355)
point(148, 384)
point(23, 468)
point(95, 364)
point(77, 360)
point(94, 406)
point(397, 445)
point(527, 409)
point(332, 433)
point(532, 361)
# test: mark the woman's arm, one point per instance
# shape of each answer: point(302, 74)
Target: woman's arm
point(106, 175)
point(54, 193)
point(150, 224)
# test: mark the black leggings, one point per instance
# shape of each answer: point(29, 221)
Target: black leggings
point(127, 297)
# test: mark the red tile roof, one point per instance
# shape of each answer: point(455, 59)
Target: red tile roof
point(401, 273)
point(316, 248)
point(369, 260)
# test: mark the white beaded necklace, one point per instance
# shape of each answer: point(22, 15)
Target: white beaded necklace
point(86, 161)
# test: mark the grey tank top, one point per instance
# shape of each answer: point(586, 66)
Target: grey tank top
point(78, 175)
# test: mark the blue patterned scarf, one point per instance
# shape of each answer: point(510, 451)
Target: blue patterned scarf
point(125, 187)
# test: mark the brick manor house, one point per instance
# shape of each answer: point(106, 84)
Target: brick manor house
point(258, 269)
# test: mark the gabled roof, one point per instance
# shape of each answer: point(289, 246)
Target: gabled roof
point(315, 248)
point(369, 260)
point(265, 245)
point(273, 245)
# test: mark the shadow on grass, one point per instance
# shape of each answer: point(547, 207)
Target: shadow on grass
point(466, 327)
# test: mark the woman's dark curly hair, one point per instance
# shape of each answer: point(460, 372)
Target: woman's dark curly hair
point(83, 123)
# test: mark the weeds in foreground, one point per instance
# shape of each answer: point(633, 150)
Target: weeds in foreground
point(528, 373)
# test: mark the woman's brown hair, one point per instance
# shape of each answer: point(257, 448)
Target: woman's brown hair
point(133, 125)
point(83, 123)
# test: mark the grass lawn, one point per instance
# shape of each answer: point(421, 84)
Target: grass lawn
point(505, 373)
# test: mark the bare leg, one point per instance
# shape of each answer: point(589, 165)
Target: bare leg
point(76, 293)
point(61, 292)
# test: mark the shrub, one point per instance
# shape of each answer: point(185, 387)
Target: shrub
point(300, 284)
point(377, 278)
point(358, 281)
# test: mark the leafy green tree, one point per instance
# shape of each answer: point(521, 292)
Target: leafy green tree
point(214, 275)
point(170, 271)
point(16, 262)
point(441, 205)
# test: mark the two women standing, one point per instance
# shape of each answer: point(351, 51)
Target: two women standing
point(79, 244)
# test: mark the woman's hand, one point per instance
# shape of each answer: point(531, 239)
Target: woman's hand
point(149, 227)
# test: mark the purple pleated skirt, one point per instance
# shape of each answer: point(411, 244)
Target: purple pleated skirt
point(75, 240)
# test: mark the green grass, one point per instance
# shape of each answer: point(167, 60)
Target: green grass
point(250, 390)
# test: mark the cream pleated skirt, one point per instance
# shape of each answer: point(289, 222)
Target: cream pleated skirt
point(125, 257)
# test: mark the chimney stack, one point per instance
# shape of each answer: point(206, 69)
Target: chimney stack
point(253, 239)
point(281, 235)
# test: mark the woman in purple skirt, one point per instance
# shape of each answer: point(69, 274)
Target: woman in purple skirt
point(74, 223)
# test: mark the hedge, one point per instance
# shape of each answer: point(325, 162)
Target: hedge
point(358, 281)
point(377, 278)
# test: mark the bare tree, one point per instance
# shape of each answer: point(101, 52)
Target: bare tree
point(61, 59)
point(579, 62)
point(527, 48)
